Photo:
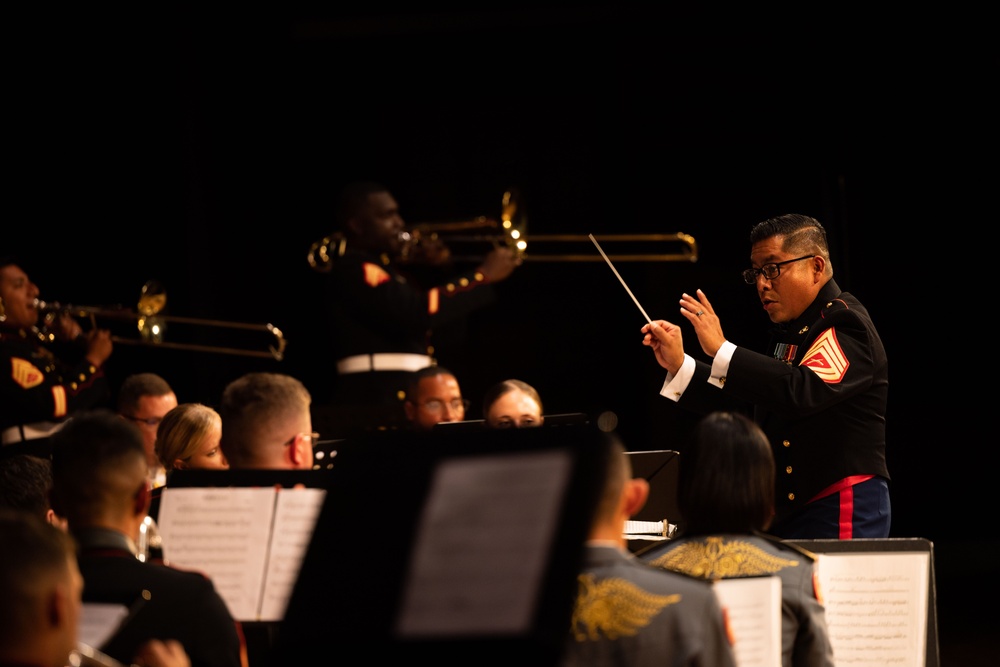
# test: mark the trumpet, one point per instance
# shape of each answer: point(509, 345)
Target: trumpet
point(511, 230)
point(152, 325)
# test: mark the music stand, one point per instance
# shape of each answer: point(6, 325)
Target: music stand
point(415, 551)
point(660, 468)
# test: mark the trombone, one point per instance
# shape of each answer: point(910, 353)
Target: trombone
point(512, 230)
point(152, 325)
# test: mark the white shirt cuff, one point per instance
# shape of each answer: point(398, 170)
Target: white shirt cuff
point(675, 385)
point(720, 364)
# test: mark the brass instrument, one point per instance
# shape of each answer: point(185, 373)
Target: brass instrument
point(151, 325)
point(511, 231)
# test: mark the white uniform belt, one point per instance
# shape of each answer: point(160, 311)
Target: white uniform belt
point(29, 432)
point(384, 361)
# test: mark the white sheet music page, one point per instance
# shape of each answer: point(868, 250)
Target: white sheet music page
point(876, 606)
point(753, 605)
point(294, 520)
point(223, 532)
point(483, 544)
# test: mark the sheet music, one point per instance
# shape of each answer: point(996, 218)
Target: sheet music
point(294, 519)
point(99, 621)
point(753, 606)
point(876, 606)
point(223, 532)
point(483, 543)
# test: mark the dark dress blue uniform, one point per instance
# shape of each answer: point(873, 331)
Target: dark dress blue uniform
point(168, 603)
point(39, 390)
point(820, 396)
point(381, 324)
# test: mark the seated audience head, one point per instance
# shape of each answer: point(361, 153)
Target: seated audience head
point(726, 478)
point(266, 422)
point(434, 397)
point(512, 404)
point(189, 437)
point(25, 483)
point(100, 478)
point(145, 399)
point(40, 591)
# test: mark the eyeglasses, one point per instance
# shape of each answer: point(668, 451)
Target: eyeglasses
point(455, 404)
point(147, 421)
point(313, 438)
point(770, 271)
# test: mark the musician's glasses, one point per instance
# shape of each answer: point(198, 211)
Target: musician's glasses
point(769, 271)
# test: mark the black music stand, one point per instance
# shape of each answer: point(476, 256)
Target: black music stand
point(660, 468)
point(385, 531)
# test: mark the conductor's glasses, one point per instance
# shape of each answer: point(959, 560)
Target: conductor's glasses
point(455, 404)
point(769, 271)
point(313, 438)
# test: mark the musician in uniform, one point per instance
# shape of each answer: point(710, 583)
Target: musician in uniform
point(41, 387)
point(725, 491)
point(381, 318)
point(820, 394)
point(628, 613)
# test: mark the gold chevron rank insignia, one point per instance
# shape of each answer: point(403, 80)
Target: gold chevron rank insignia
point(826, 358)
point(375, 275)
point(614, 607)
point(25, 374)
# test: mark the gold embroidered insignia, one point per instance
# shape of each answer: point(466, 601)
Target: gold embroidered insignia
point(25, 373)
point(826, 358)
point(717, 559)
point(374, 275)
point(615, 607)
point(59, 400)
point(433, 300)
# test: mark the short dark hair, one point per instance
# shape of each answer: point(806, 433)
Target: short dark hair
point(33, 551)
point(25, 483)
point(88, 454)
point(413, 385)
point(250, 406)
point(138, 385)
point(726, 476)
point(802, 233)
point(353, 198)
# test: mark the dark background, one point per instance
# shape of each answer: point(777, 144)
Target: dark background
point(204, 151)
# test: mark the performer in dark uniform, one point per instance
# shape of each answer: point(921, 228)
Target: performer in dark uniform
point(628, 613)
point(100, 484)
point(381, 319)
point(725, 492)
point(819, 393)
point(41, 387)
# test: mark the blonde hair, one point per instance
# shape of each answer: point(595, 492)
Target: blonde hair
point(182, 431)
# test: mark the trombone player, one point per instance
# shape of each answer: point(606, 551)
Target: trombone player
point(40, 389)
point(381, 319)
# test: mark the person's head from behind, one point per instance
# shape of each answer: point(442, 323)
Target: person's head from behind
point(100, 478)
point(368, 216)
point(189, 437)
point(145, 399)
point(40, 591)
point(26, 484)
point(433, 397)
point(512, 404)
point(621, 495)
point(726, 478)
point(266, 422)
point(791, 263)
